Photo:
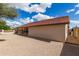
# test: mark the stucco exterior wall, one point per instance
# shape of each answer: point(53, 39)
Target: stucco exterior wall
point(51, 32)
point(76, 32)
point(66, 31)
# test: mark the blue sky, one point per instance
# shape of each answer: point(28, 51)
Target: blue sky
point(31, 12)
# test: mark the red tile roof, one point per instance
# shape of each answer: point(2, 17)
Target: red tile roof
point(59, 20)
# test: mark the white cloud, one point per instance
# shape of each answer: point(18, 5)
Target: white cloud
point(19, 22)
point(26, 20)
point(77, 12)
point(40, 8)
point(74, 9)
point(19, 5)
point(74, 21)
point(13, 24)
point(36, 8)
point(71, 10)
point(40, 16)
point(33, 8)
point(77, 5)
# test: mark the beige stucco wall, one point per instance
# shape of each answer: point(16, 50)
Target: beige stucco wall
point(52, 32)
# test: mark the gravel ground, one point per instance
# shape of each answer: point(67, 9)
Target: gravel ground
point(15, 45)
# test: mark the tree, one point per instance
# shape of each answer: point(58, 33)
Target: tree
point(6, 11)
point(2, 22)
point(4, 26)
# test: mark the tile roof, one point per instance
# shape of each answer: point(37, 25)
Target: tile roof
point(59, 20)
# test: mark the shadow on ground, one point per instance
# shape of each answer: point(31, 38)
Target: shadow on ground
point(2, 39)
point(41, 39)
point(70, 50)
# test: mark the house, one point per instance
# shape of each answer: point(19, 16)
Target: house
point(75, 32)
point(22, 30)
point(73, 36)
point(52, 29)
